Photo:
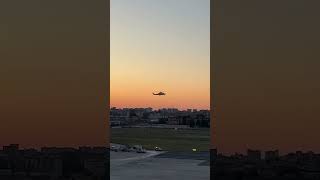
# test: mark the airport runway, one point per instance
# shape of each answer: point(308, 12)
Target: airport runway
point(155, 165)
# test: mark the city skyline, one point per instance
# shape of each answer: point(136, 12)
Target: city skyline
point(144, 107)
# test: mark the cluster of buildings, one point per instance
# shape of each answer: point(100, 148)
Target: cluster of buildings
point(52, 163)
point(167, 116)
point(256, 165)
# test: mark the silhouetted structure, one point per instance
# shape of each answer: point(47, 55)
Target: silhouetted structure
point(85, 163)
point(292, 166)
point(168, 116)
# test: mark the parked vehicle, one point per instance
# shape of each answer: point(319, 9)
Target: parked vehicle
point(114, 148)
point(125, 148)
point(158, 149)
point(139, 149)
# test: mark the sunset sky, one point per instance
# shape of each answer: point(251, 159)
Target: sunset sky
point(160, 46)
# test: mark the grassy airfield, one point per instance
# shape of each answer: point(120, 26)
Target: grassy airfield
point(167, 139)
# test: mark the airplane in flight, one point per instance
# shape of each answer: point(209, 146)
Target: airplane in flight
point(159, 94)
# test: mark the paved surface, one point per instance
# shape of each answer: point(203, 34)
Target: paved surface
point(186, 155)
point(158, 166)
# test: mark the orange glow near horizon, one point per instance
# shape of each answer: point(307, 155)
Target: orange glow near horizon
point(125, 94)
point(162, 49)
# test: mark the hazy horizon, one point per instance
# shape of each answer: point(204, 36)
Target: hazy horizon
point(155, 108)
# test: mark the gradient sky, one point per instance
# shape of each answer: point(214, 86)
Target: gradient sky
point(160, 45)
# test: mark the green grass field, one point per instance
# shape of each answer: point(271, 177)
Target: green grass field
point(167, 139)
